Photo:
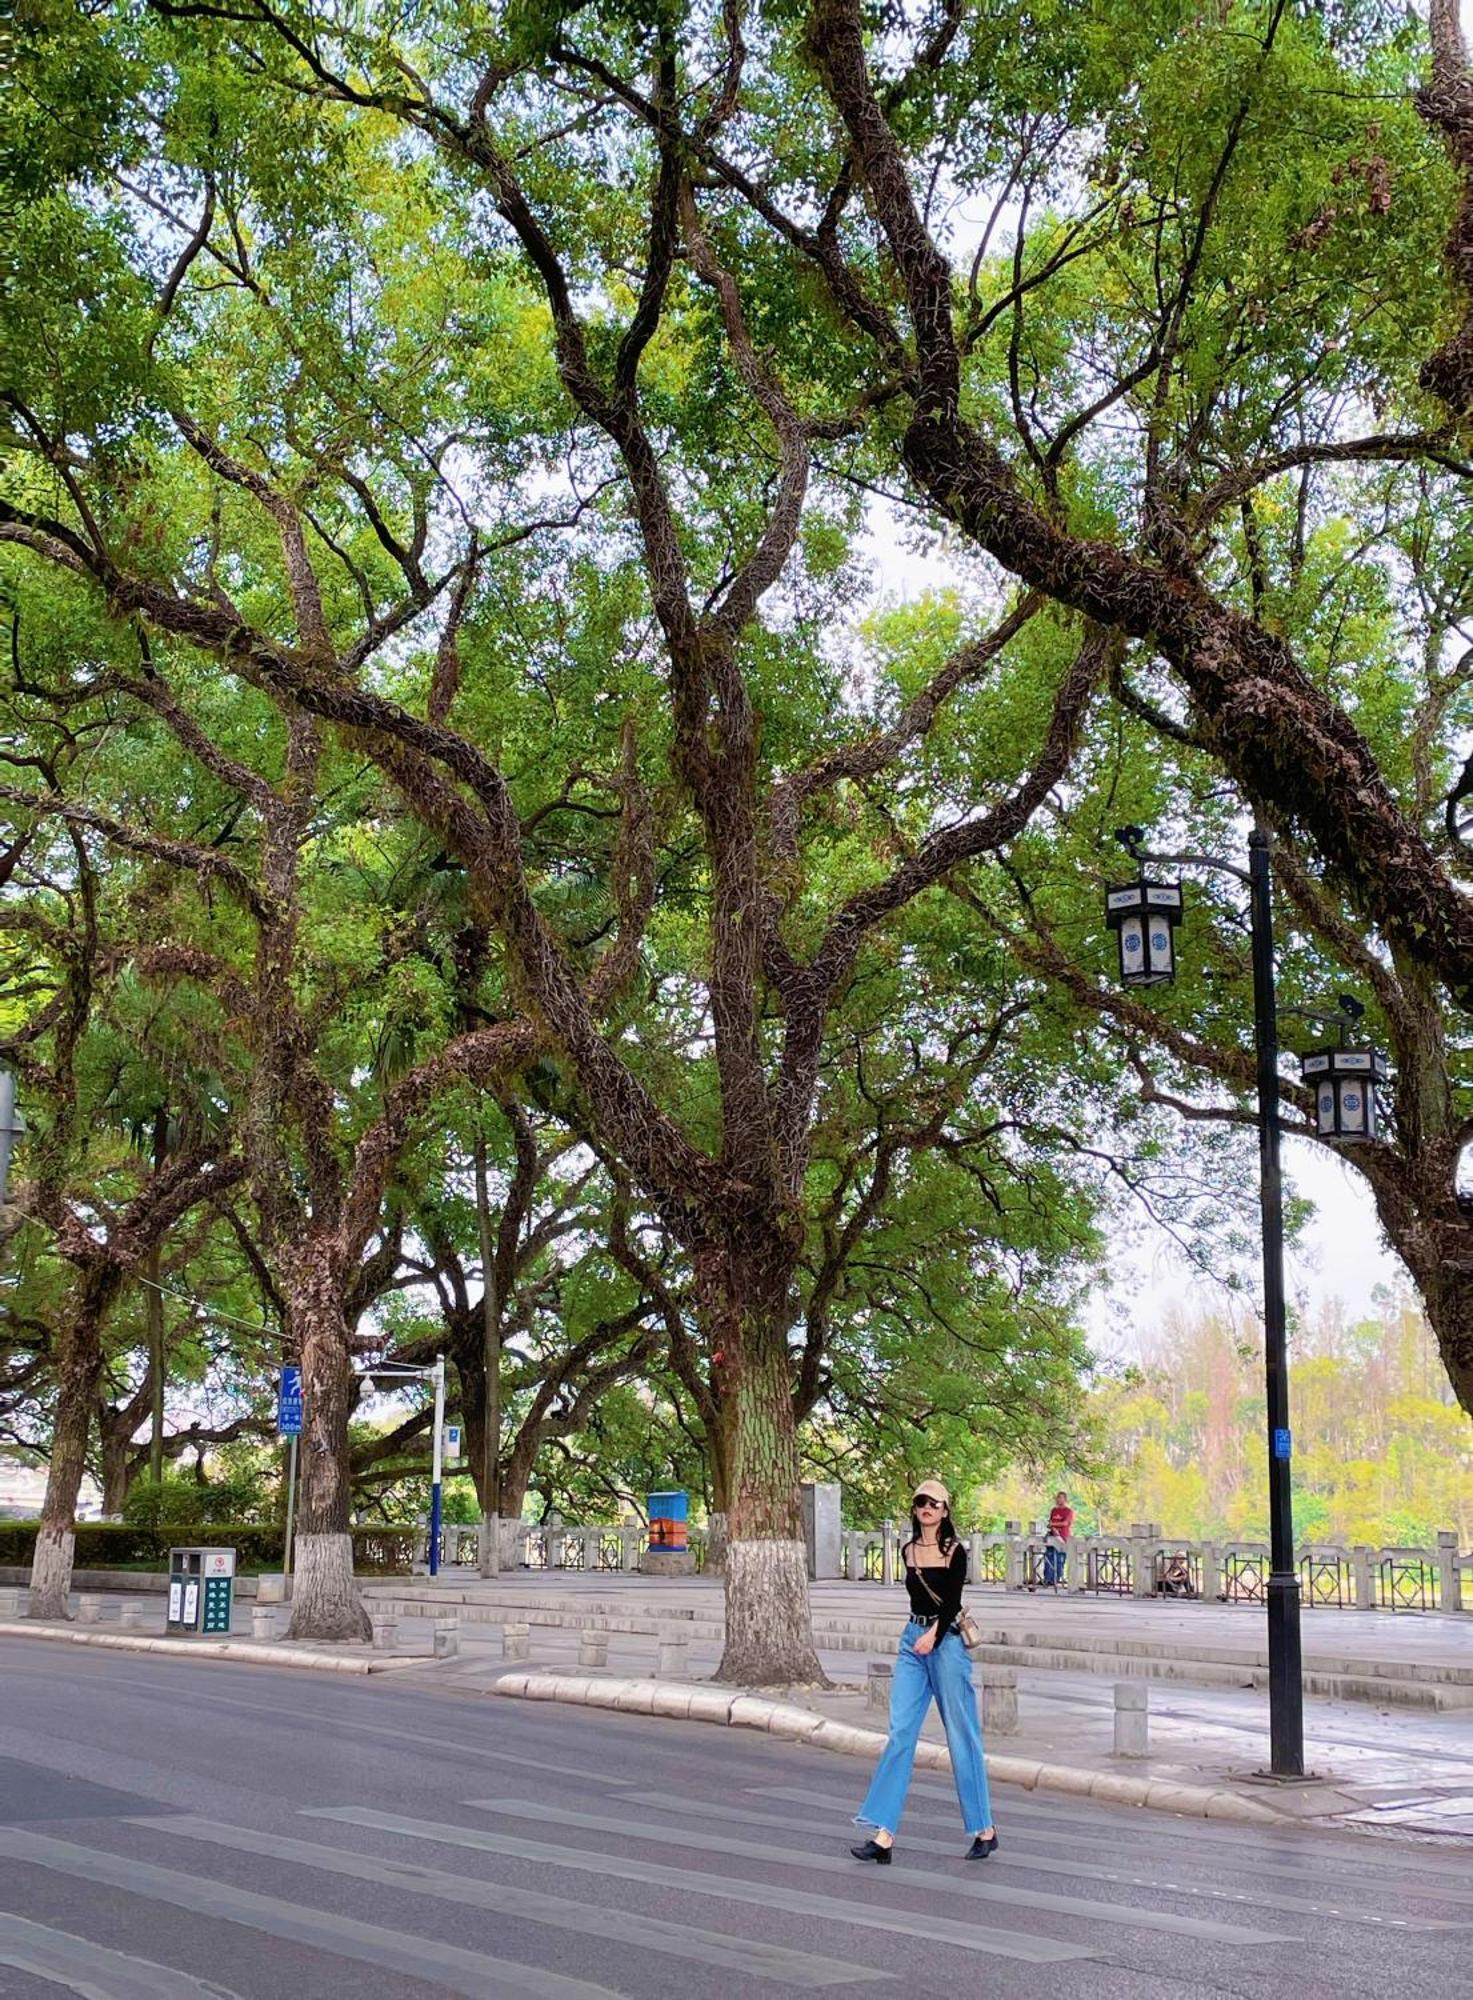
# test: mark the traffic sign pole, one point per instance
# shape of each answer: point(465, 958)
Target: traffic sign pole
point(291, 1512)
point(437, 1465)
point(289, 1425)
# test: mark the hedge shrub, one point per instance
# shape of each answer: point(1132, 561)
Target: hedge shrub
point(118, 1544)
point(114, 1544)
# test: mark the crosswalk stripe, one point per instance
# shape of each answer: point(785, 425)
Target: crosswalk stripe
point(1271, 1854)
point(1043, 1864)
point(471, 1973)
point(765, 1895)
point(829, 1864)
point(95, 1971)
point(752, 1956)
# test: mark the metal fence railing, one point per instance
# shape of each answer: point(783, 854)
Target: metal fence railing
point(1143, 1563)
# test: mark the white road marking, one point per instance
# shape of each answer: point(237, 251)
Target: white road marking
point(1042, 1864)
point(94, 1971)
point(765, 1895)
point(471, 1973)
point(832, 1864)
point(757, 1959)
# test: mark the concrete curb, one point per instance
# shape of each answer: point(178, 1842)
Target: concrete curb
point(803, 1725)
point(246, 1652)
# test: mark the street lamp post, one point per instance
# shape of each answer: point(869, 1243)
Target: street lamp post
point(390, 1373)
point(1157, 962)
point(1285, 1669)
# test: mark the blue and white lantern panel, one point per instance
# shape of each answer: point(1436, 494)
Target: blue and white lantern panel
point(1144, 916)
point(1345, 1085)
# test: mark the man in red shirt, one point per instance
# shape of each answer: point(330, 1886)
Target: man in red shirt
point(1060, 1527)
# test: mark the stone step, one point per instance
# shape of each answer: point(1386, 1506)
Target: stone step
point(843, 1633)
point(1340, 1676)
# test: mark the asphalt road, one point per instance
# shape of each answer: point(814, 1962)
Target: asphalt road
point(172, 1831)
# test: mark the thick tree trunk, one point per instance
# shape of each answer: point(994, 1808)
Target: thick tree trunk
point(516, 1473)
point(488, 1456)
point(79, 1377)
point(1416, 1194)
point(154, 1313)
point(769, 1625)
point(116, 1471)
point(464, 1349)
point(1441, 1264)
point(326, 1604)
point(1449, 1302)
point(718, 1467)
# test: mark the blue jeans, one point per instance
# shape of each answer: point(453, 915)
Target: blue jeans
point(945, 1674)
point(1053, 1566)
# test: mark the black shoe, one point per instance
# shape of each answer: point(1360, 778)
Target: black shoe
point(872, 1851)
point(980, 1848)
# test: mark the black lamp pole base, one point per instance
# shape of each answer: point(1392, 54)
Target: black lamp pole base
point(1285, 1677)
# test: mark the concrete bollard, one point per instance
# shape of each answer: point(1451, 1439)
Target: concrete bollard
point(516, 1642)
point(1132, 1720)
point(1450, 1576)
point(1012, 1563)
point(385, 1634)
point(1364, 1576)
point(999, 1701)
point(263, 1622)
point(673, 1660)
point(132, 1617)
point(447, 1638)
point(271, 1589)
point(878, 1682)
point(9, 1604)
point(89, 1609)
point(593, 1649)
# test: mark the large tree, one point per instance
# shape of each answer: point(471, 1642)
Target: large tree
point(723, 695)
point(1135, 300)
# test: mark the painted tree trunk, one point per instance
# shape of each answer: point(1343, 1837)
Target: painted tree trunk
point(79, 1377)
point(326, 1604)
point(769, 1625)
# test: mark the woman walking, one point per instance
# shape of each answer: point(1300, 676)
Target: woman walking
point(933, 1664)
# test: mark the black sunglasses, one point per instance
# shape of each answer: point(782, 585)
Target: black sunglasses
point(925, 1500)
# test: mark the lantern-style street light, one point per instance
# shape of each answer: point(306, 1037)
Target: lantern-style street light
point(1144, 916)
point(1345, 1079)
point(1285, 1671)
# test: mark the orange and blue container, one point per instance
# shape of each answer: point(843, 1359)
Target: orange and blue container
point(669, 1516)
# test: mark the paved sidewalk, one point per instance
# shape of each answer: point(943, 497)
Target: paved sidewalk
point(1405, 1769)
point(1204, 1737)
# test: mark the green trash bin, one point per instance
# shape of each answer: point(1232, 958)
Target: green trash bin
point(201, 1591)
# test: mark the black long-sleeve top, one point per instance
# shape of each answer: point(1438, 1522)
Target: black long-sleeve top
point(947, 1579)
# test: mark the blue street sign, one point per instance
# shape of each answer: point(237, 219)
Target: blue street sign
point(289, 1404)
point(1282, 1444)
